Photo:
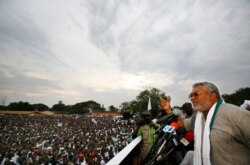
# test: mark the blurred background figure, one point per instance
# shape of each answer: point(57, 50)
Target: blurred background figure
point(187, 110)
point(145, 128)
point(165, 106)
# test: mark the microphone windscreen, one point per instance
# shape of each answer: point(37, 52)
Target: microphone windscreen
point(175, 125)
point(189, 136)
point(177, 112)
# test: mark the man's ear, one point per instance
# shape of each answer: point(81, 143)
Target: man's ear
point(214, 98)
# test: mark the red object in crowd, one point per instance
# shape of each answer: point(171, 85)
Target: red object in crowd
point(175, 125)
point(37, 151)
point(81, 154)
point(189, 136)
point(94, 153)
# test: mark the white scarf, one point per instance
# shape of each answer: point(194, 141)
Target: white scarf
point(202, 141)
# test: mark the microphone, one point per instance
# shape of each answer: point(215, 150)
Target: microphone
point(169, 129)
point(188, 138)
point(175, 125)
point(158, 130)
point(170, 117)
point(166, 118)
point(177, 112)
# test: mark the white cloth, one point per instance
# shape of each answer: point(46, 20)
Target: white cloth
point(202, 141)
point(188, 159)
point(102, 162)
point(245, 104)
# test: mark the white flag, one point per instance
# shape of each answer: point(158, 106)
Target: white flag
point(94, 121)
point(149, 104)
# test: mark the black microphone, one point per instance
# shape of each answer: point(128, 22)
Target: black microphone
point(166, 118)
point(159, 130)
point(170, 117)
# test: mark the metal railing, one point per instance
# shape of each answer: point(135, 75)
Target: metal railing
point(126, 155)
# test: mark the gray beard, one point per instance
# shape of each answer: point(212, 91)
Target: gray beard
point(204, 107)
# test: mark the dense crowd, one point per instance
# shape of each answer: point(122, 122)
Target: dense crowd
point(62, 140)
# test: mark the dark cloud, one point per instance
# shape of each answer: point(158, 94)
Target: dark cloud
point(183, 42)
point(17, 28)
point(16, 80)
point(101, 16)
point(19, 32)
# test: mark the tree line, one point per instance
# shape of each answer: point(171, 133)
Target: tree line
point(140, 103)
point(78, 108)
point(136, 105)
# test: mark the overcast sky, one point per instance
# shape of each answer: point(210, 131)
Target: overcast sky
point(111, 50)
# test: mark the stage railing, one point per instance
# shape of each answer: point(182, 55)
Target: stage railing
point(126, 155)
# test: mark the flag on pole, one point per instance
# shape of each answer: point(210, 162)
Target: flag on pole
point(149, 104)
point(94, 121)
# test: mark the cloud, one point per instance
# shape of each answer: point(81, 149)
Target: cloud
point(109, 51)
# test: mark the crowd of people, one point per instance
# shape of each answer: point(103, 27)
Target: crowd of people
point(69, 140)
point(61, 140)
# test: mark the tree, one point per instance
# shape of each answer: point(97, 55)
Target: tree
point(238, 97)
point(59, 107)
point(112, 108)
point(125, 105)
point(140, 104)
point(93, 105)
point(85, 107)
point(80, 108)
point(21, 106)
point(2, 107)
point(40, 107)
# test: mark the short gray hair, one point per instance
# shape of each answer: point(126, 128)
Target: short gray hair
point(210, 87)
